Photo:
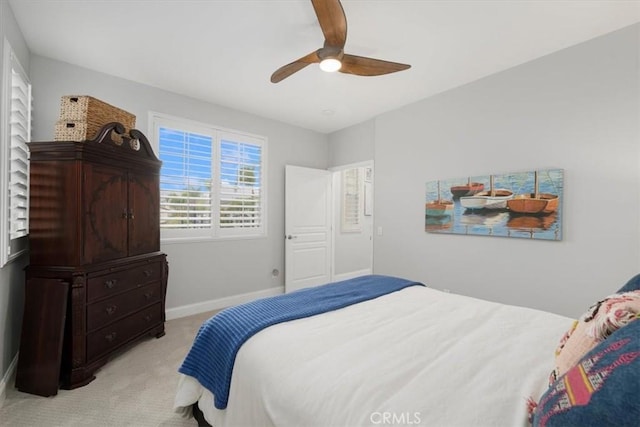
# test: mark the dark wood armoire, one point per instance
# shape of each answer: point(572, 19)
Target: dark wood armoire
point(96, 281)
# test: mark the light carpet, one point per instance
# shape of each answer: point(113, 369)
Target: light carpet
point(135, 388)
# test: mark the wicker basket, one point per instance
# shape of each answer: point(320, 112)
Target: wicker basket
point(81, 117)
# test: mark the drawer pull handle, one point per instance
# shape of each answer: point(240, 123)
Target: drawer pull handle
point(148, 317)
point(148, 295)
point(109, 284)
point(111, 309)
point(110, 337)
point(147, 273)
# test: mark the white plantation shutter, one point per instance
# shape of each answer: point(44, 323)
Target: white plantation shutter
point(351, 199)
point(185, 179)
point(212, 182)
point(240, 182)
point(14, 179)
point(20, 129)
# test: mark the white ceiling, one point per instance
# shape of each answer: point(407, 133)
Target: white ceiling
point(225, 51)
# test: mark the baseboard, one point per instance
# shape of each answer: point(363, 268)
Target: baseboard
point(351, 275)
point(217, 304)
point(220, 303)
point(7, 379)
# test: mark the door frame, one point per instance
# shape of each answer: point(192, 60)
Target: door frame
point(336, 227)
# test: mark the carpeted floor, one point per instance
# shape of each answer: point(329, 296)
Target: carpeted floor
point(135, 388)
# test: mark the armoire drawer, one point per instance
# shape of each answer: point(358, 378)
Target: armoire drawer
point(109, 310)
point(108, 338)
point(113, 283)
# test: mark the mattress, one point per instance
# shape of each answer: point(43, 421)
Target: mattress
point(418, 356)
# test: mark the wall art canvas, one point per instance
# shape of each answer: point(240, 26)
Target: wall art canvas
point(519, 204)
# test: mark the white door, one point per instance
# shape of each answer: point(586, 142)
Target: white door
point(307, 227)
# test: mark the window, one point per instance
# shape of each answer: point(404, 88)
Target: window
point(239, 185)
point(16, 125)
point(351, 200)
point(212, 182)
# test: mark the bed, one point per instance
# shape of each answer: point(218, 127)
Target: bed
point(411, 356)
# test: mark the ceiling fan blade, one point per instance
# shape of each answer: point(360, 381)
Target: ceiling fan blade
point(361, 66)
point(297, 65)
point(332, 21)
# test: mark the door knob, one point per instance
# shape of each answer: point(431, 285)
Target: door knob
point(289, 237)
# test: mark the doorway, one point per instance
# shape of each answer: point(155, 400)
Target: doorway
point(352, 221)
point(328, 224)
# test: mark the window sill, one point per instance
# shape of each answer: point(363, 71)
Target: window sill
point(182, 240)
point(14, 257)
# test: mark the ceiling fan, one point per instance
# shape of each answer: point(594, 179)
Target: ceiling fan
point(331, 56)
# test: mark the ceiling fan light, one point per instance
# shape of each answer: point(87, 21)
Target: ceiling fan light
point(330, 65)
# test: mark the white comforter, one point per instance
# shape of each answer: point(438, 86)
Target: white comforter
point(414, 357)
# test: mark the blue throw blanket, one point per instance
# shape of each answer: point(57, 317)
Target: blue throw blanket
point(213, 353)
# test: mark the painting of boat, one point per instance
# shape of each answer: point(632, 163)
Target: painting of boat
point(468, 189)
point(535, 203)
point(439, 207)
point(492, 199)
point(487, 212)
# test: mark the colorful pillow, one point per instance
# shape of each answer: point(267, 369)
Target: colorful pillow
point(573, 346)
point(603, 389)
point(593, 327)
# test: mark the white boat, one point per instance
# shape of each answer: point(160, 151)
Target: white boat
point(492, 199)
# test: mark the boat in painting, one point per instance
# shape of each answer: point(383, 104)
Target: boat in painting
point(535, 203)
point(439, 207)
point(492, 199)
point(468, 189)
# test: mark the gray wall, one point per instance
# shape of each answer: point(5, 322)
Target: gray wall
point(576, 109)
point(202, 271)
point(352, 145)
point(11, 275)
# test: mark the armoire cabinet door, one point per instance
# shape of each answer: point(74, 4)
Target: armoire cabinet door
point(106, 214)
point(144, 221)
